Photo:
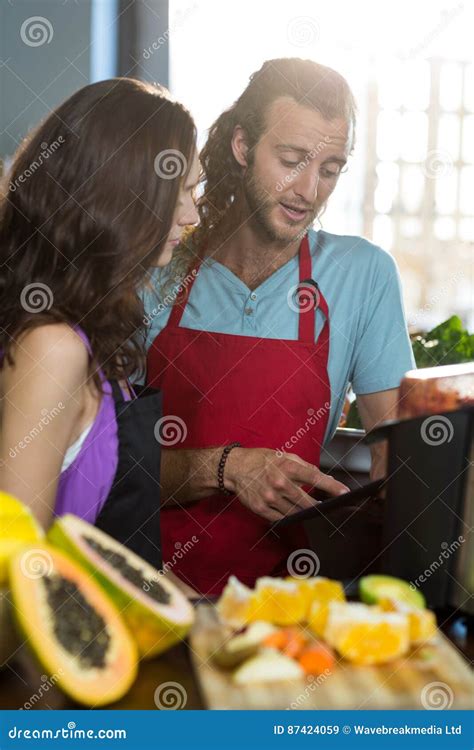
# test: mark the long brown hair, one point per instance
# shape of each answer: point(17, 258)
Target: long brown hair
point(85, 211)
point(305, 81)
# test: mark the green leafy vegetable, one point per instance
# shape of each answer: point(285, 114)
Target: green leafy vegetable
point(447, 344)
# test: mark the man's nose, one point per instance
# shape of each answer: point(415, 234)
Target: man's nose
point(306, 186)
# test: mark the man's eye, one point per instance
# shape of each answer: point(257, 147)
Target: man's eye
point(330, 173)
point(287, 163)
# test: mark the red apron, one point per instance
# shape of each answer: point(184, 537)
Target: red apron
point(262, 392)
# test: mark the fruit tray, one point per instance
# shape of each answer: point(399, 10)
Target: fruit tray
point(432, 676)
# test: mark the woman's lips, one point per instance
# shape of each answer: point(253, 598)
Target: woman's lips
point(293, 213)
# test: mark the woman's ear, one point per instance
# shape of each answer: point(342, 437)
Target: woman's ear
point(239, 146)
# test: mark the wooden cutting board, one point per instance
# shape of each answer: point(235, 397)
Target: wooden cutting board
point(399, 684)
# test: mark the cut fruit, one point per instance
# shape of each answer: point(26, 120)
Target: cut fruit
point(235, 603)
point(17, 528)
point(72, 628)
point(269, 666)
point(11, 506)
point(291, 641)
point(318, 591)
point(421, 622)
point(241, 647)
point(366, 635)
point(317, 659)
point(278, 601)
point(374, 588)
point(156, 612)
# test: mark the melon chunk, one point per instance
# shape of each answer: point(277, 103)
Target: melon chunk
point(269, 666)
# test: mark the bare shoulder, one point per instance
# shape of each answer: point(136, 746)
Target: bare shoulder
point(55, 349)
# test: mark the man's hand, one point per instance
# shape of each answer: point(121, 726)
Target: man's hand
point(270, 483)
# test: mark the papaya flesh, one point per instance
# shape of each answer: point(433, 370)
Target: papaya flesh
point(71, 627)
point(155, 610)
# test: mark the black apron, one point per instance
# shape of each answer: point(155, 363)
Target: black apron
point(131, 512)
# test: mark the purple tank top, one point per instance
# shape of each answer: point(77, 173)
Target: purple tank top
point(84, 486)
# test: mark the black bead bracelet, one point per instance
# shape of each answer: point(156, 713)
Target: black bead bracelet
point(221, 467)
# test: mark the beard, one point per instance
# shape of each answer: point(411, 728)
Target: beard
point(261, 206)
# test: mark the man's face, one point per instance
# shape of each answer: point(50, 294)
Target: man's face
point(293, 169)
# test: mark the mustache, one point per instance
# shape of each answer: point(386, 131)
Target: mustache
point(296, 207)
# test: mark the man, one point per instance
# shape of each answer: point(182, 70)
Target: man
point(262, 342)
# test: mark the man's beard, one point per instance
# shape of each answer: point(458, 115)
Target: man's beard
point(260, 206)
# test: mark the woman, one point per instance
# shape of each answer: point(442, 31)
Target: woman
point(96, 196)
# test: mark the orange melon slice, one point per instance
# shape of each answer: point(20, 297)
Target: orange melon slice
point(366, 635)
point(318, 593)
point(278, 601)
point(421, 622)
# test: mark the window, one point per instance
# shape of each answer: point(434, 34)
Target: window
point(410, 183)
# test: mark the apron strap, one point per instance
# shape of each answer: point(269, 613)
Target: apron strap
point(181, 300)
point(307, 311)
point(310, 299)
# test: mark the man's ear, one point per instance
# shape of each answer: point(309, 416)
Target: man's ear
point(239, 146)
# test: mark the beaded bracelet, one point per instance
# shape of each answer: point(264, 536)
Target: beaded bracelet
point(221, 467)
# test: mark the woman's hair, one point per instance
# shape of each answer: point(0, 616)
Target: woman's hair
point(85, 211)
point(305, 81)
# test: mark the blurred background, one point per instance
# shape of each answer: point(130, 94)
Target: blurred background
point(410, 63)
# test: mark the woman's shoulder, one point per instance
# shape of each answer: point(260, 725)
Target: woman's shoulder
point(55, 348)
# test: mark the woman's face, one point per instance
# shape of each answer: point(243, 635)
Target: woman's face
point(185, 213)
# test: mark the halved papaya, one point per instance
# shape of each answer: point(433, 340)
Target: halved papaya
point(156, 612)
point(71, 627)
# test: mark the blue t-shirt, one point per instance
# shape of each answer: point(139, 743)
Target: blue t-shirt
point(369, 342)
